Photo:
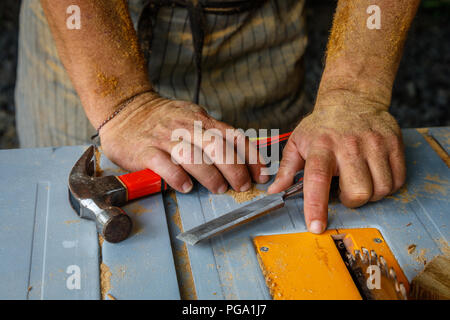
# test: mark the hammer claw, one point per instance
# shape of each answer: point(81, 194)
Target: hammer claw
point(99, 198)
point(85, 165)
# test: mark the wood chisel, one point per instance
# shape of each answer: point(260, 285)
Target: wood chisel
point(246, 213)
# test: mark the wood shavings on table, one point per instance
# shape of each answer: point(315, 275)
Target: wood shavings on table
point(245, 196)
point(105, 279)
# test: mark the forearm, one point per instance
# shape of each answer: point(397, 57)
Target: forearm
point(361, 63)
point(103, 57)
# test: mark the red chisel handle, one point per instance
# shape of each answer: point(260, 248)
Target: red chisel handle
point(142, 183)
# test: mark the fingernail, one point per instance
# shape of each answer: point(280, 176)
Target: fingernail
point(187, 186)
point(223, 189)
point(316, 227)
point(246, 186)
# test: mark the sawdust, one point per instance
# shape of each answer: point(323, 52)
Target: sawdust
point(137, 209)
point(398, 36)
point(341, 27)
point(173, 196)
point(321, 253)
point(270, 280)
point(116, 170)
point(445, 248)
point(100, 240)
point(120, 271)
point(98, 156)
point(176, 218)
point(105, 279)
point(128, 34)
point(420, 256)
point(435, 145)
point(240, 197)
point(434, 188)
point(403, 195)
point(125, 38)
point(182, 262)
point(435, 178)
point(107, 85)
point(187, 285)
point(411, 248)
point(68, 222)
point(331, 211)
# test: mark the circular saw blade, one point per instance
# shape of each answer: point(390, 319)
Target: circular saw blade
point(376, 280)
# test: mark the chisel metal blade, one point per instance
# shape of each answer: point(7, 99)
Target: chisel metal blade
point(233, 218)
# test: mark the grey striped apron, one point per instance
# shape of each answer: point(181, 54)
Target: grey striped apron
point(250, 72)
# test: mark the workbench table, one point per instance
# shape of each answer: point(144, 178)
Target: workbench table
point(48, 252)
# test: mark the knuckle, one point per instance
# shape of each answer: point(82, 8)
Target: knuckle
point(213, 180)
point(314, 208)
point(177, 177)
point(318, 175)
point(376, 141)
point(239, 176)
point(154, 160)
point(383, 189)
point(351, 145)
point(359, 197)
point(323, 141)
point(177, 173)
point(285, 169)
point(184, 158)
point(396, 144)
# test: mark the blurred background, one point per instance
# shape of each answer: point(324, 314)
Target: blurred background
point(421, 95)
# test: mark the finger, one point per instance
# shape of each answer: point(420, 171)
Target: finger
point(319, 167)
point(190, 157)
point(377, 159)
point(398, 165)
point(290, 164)
point(355, 181)
point(246, 149)
point(159, 161)
point(380, 170)
point(226, 160)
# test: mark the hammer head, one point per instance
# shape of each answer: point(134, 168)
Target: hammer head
point(99, 198)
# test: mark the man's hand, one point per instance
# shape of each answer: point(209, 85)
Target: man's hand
point(362, 145)
point(139, 137)
point(350, 132)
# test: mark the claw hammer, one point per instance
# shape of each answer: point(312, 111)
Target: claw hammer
point(99, 198)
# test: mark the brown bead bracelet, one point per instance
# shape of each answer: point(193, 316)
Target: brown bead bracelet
point(120, 107)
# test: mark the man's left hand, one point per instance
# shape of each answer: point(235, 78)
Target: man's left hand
point(360, 143)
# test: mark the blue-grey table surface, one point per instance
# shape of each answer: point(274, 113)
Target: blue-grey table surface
point(47, 252)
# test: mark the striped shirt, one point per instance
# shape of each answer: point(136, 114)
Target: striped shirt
point(251, 69)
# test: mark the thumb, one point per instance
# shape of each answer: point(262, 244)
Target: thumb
point(291, 163)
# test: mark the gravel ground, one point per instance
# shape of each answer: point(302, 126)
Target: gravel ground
point(421, 95)
point(9, 11)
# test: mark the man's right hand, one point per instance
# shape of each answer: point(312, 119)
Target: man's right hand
point(139, 137)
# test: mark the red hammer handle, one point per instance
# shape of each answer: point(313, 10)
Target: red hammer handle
point(142, 183)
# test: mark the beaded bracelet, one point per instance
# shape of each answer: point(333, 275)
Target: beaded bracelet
point(120, 107)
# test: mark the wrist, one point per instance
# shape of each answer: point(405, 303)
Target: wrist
point(353, 93)
point(126, 108)
point(102, 109)
point(359, 82)
point(350, 100)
